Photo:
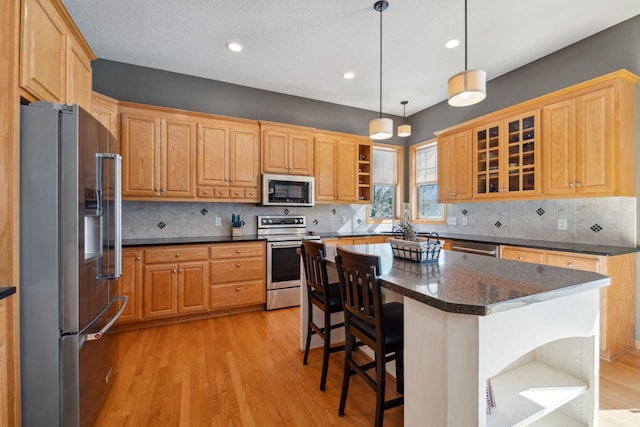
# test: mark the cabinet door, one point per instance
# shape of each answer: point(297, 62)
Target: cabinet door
point(130, 285)
point(105, 109)
point(140, 137)
point(454, 167)
point(42, 51)
point(487, 160)
point(160, 290)
point(300, 154)
point(244, 148)
point(193, 287)
point(325, 160)
point(213, 153)
point(177, 157)
point(78, 84)
point(275, 151)
point(594, 142)
point(522, 145)
point(558, 134)
point(346, 171)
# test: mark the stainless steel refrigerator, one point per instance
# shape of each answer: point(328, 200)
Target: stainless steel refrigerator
point(70, 260)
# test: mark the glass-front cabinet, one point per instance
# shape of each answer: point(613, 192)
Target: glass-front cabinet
point(507, 157)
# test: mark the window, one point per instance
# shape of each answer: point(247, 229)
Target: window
point(387, 178)
point(424, 183)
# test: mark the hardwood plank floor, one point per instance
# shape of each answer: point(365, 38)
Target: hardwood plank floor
point(246, 370)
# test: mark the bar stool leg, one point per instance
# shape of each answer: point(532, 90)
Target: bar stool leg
point(327, 346)
point(380, 384)
point(349, 343)
point(309, 331)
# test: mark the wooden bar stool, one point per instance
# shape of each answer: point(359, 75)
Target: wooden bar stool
point(325, 296)
point(377, 325)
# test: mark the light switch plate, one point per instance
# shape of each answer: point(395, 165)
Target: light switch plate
point(218, 221)
point(451, 220)
point(562, 224)
point(465, 221)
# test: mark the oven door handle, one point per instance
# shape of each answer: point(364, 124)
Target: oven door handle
point(286, 245)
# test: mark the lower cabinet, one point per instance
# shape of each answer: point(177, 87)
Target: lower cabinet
point(165, 282)
point(617, 301)
point(238, 275)
point(348, 241)
point(5, 394)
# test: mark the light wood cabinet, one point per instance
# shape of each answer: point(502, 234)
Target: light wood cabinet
point(175, 281)
point(130, 284)
point(506, 157)
point(343, 168)
point(589, 142)
point(349, 241)
point(238, 275)
point(228, 161)
point(55, 60)
point(105, 110)
point(454, 166)
point(158, 154)
point(286, 149)
point(4, 363)
point(617, 301)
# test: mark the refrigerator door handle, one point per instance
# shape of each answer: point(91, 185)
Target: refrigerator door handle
point(117, 201)
point(92, 336)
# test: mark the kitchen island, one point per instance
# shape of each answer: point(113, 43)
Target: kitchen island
point(530, 331)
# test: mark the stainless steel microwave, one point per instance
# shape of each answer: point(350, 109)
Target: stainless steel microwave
point(288, 190)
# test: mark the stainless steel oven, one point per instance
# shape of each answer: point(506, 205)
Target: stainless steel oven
point(284, 236)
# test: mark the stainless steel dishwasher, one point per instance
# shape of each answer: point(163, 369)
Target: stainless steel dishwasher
point(486, 249)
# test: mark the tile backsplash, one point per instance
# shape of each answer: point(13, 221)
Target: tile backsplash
point(604, 220)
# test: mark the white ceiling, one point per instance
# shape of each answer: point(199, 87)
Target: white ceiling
point(302, 47)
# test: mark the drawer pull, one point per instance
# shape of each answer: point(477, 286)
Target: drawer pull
point(520, 257)
point(569, 264)
point(221, 192)
point(237, 193)
point(177, 254)
point(237, 251)
point(205, 192)
point(238, 264)
point(237, 289)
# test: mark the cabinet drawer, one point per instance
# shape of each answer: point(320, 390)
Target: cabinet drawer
point(232, 270)
point(238, 250)
point(205, 192)
point(236, 193)
point(251, 193)
point(175, 254)
point(221, 192)
point(247, 293)
point(579, 263)
point(519, 254)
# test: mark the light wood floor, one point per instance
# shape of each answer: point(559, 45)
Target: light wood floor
point(246, 370)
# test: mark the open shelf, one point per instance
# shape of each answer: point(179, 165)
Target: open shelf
point(556, 419)
point(528, 393)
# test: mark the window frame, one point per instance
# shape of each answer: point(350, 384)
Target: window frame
point(413, 186)
point(398, 193)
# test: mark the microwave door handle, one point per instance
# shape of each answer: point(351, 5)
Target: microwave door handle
point(117, 207)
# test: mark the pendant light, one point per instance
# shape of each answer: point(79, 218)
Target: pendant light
point(404, 129)
point(381, 128)
point(468, 87)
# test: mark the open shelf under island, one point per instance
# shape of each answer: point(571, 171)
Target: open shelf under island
point(529, 331)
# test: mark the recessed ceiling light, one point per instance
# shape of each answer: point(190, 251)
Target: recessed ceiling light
point(235, 47)
point(348, 75)
point(452, 43)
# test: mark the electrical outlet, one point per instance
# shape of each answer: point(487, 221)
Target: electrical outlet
point(465, 220)
point(344, 219)
point(451, 220)
point(218, 221)
point(562, 224)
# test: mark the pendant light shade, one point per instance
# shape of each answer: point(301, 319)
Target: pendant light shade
point(470, 86)
point(467, 88)
point(381, 128)
point(404, 129)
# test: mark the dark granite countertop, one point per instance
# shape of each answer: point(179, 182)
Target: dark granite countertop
point(189, 240)
point(5, 291)
point(475, 284)
point(601, 250)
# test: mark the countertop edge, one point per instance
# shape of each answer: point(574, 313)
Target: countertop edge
point(6, 291)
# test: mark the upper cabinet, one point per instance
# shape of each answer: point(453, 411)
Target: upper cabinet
point(228, 160)
point(590, 140)
point(158, 154)
point(286, 149)
point(105, 109)
point(343, 168)
point(454, 166)
point(506, 157)
point(579, 141)
point(55, 60)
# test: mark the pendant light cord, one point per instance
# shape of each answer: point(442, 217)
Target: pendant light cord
point(381, 10)
point(465, 35)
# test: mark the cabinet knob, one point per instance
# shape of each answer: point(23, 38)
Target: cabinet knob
point(162, 190)
point(231, 180)
point(251, 193)
point(180, 271)
point(156, 189)
point(237, 251)
point(520, 257)
point(578, 184)
point(238, 264)
point(226, 180)
point(237, 289)
point(237, 193)
point(175, 271)
point(138, 258)
point(205, 192)
point(569, 264)
point(221, 192)
point(571, 185)
point(177, 254)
